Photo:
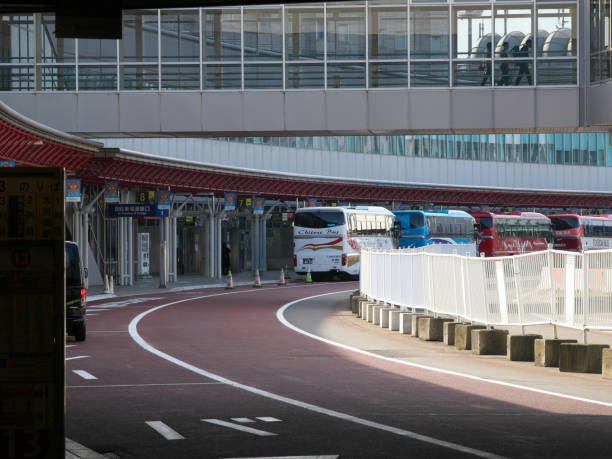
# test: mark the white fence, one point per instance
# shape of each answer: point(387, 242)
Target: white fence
point(548, 287)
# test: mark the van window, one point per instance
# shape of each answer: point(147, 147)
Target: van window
point(73, 271)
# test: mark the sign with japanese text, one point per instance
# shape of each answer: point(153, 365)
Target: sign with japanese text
point(258, 207)
point(163, 199)
point(230, 201)
point(135, 210)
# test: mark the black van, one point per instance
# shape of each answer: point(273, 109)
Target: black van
point(75, 293)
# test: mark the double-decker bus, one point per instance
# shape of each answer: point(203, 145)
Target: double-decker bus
point(454, 229)
point(328, 240)
point(581, 232)
point(503, 234)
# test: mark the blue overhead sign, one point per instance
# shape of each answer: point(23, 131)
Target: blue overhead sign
point(135, 210)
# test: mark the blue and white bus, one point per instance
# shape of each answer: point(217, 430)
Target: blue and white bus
point(453, 230)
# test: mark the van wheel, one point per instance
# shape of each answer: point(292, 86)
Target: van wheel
point(80, 333)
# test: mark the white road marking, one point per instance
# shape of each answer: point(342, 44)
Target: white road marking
point(145, 385)
point(242, 420)
point(77, 357)
point(70, 345)
point(165, 431)
point(329, 456)
point(231, 425)
point(268, 419)
point(281, 317)
point(95, 310)
point(121, 304)
point(133, 328)
point(83, 374)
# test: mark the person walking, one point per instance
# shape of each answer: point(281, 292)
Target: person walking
point(523, 66)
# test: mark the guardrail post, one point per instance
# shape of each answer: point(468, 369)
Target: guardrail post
point(517, 275)
point(553, 295)
point(585, 294)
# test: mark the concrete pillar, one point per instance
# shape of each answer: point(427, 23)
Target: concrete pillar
point(431, 328)
point(581, 358)
point(546, 351)
point(606, 363)
point(394, 319)
point(448, 332)
point(522, 347)
point(490, 342)
point(463, 336)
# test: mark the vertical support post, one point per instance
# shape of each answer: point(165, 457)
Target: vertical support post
point(85, 246)
point(130, 248)
point(553, 296)
point(256, 243)
point(264, 251)
point(163, 262)
point(585, 294)
point(174, 248)
point(121, 252)
point(219, 241)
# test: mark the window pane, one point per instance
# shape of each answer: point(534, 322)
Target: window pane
point(305, 76)
point(472, 33)
point(513, 72)
point(595, 71)
point(386, 75)
point(180, 36)
point(97, 78)
point(428, 74)
point(139, 43)
point(17, 43)
point(429, 33)
point(304, 34)
point(346, 75)
point(57, 78)
point(560, 23)
point(387, 33)
point(54, 49)
point(91, 50)
point(556, 72)
point(222, 77)
point(263, 76)
point(263, 34)
point(16, 78)
point(472, 73)
point(346, 34)
point(141, 77)
point(180, 77)
point(221, 34)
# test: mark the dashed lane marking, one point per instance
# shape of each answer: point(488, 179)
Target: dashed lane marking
point(84, 374)
point(133, 327)
point(167, 432)
point(70, 345)
point(77, 357)
point(330, 456)
point(144, 385)
point(242, 420)
point(231, 425)
point(268, 419)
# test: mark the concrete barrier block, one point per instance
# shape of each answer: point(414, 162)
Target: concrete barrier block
point(546, 351)
point(463, 336)
point(490, 342)
point(362, 308)
point(522, 347)
point(405, 323)
point(355, 303)
point(384, 317)
point(431, 329)
point(394, 319)
point(581, 358)
point(606, 363)
point(415, 324)
point(448, 332)
point(376, 313)
point(370, 312)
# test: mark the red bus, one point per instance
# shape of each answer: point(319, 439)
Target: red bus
point(503, 234)
point(581, 232)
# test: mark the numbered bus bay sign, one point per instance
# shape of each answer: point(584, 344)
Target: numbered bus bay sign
point(32, 313)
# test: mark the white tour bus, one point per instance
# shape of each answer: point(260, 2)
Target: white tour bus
point(328, 240)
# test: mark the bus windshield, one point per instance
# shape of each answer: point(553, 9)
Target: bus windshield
point(417, 220)
point(486, 223)
point(564, 223)
point(319, 219)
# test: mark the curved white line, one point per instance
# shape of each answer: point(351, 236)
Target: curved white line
point(317, 409)
point(280, 315)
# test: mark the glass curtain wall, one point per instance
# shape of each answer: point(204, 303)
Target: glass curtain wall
point(600, 40)
point(354, 44)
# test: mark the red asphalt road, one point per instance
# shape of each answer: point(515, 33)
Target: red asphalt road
point(237, 336)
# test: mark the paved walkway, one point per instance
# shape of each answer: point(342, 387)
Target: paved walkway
point(184, 282)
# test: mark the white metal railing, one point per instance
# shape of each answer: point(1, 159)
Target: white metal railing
point(549, 287)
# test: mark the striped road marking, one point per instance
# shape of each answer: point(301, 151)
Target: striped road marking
point(164, 430)
point(77, 357)
point(269, 419)
point(231, 425)
point(242, 420)
point(83, 374)
point(329, 456)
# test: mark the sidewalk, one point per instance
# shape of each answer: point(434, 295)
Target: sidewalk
point(185, 282)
